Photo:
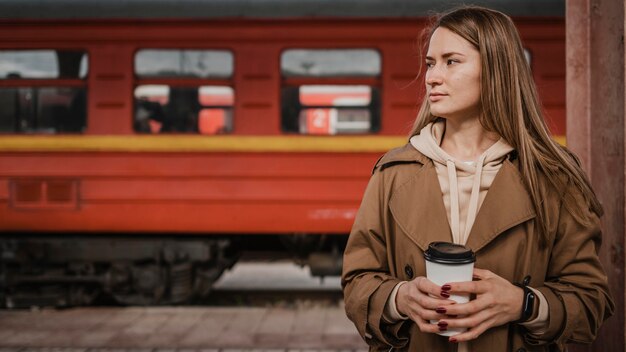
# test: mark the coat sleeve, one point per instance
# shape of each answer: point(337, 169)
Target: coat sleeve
point(366, 278)
point(576, 286)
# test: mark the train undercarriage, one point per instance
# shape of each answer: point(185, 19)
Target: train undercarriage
point(65, 271)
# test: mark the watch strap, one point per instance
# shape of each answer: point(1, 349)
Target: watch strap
point(528, 304)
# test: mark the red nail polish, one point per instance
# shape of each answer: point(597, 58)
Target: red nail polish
point(453, 340)
point(445, 294)
point(452, 316)
point(446, 287)
point(442, 324)
point(443, 328)
point(441, 310)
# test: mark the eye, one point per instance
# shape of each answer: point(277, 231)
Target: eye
point(429, 64)
point(452, 61)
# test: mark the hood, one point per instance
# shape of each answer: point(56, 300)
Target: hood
point(428, 143)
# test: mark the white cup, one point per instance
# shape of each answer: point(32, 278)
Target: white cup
point(448, 262)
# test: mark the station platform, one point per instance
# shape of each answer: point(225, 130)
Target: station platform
point(305, 323)
point(282, 328)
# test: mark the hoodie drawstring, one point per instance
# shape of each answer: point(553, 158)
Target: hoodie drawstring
point(454, 202)
point(455, 213)
point(474, 198)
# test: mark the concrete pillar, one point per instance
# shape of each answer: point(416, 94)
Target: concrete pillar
point(596, 132)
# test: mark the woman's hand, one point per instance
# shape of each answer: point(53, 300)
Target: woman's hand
point(422, 300)
point(497, 302)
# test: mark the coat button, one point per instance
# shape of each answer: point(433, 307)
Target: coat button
point(408, 271)
point(526, 280)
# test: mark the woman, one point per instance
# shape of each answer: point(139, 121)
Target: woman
point(480, 170)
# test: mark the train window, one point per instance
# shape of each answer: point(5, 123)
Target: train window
point(202, 103)
point(153, 63)
point(56, 104)
point(164, 108)
point(330, 91)
point(330, 62)
point(330, 109)
point(43, 109)
point(43, 64)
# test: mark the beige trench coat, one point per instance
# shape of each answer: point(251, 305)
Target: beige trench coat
point(402, 212)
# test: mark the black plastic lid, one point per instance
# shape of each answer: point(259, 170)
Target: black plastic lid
point(449, 253)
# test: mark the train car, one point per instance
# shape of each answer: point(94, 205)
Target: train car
point(145, 145)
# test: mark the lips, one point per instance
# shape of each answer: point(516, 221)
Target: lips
point(433, 97)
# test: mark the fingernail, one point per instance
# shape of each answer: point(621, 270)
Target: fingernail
point(446, 287)
point(445, 294)
point(441, 310)
point(453, 340)
point(452, 316)
point(442, 324)
point(443, 328)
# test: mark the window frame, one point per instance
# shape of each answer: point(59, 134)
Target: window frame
point(375, 106)
point(186, 82)
point(50, 83)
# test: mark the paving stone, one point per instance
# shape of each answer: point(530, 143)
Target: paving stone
point(304, 328)
point(121, 318)
point(240, 330)
point(275, 328)
point(94, 338)
point(211, 324)
point(180, 323)
point(26, 338)
point(308, 328)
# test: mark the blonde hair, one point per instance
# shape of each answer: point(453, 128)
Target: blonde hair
point(510, 107)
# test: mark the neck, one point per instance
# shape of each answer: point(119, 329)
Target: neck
point(467, 140)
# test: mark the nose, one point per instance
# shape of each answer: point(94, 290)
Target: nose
point(434, 76)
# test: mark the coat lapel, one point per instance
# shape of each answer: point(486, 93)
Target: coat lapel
point(506, 205)
point(418, 209)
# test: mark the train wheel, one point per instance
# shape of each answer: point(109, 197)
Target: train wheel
point(143, 284)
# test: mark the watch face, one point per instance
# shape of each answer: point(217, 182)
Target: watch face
point(529, 303)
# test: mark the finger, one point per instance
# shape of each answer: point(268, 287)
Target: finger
point(476, 287)
point(470, 321)
point(426, 326)
point(428, 307)
point(432, 303)
point(418, 288)
point(428, 314)
point(482, 274)
point(429, 287)
point(482, 302)
point(472, 333)
point(464, 309)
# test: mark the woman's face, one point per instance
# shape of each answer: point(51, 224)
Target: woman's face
point(452, 76)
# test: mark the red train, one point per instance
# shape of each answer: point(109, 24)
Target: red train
point(145, 147)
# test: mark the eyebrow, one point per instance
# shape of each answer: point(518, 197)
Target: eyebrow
point(445, 56)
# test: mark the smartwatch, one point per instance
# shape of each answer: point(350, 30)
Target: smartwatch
point(528, 304)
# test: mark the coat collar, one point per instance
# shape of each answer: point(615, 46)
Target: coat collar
point(417, 206)
point(401, 155)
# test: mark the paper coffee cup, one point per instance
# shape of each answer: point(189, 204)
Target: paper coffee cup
point(448, 262)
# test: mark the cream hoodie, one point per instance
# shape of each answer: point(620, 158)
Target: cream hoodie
point(464, 186)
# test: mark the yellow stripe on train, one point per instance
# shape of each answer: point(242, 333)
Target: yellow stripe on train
point(197, 143)
point(160, 143)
